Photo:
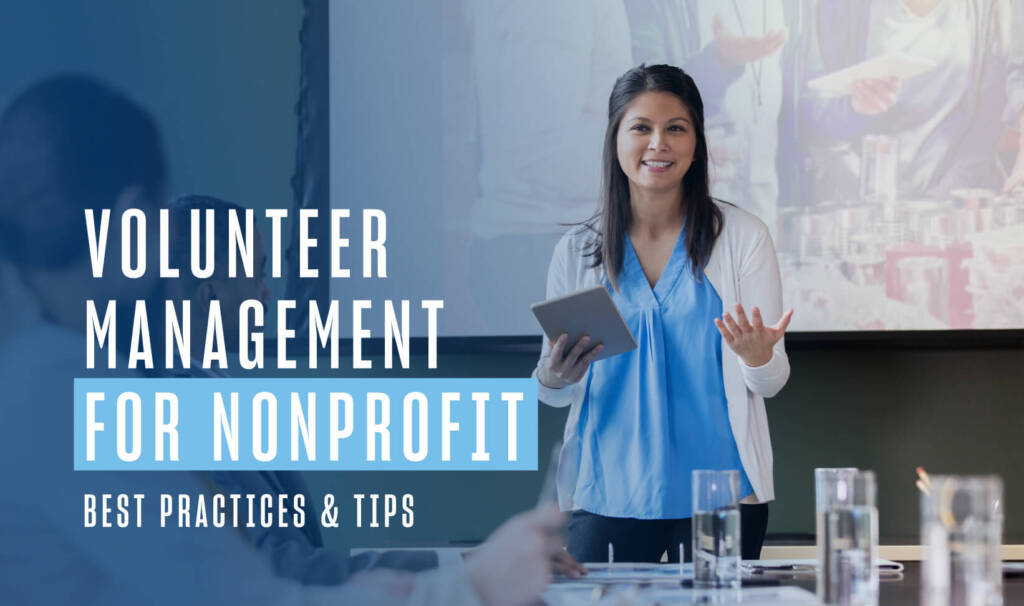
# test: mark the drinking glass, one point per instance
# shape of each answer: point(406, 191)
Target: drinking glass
point(847, 526)
point(716, 528)
point(961, 533)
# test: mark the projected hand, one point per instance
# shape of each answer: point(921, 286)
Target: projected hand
point(751, 340)
point(740, 50)
point(870, 96)
point(724, 163)
point(564, 369)
point(1016, 178)
point(513, 566)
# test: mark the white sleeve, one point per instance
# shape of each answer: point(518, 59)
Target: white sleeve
point(559, 283)
point(761, 285)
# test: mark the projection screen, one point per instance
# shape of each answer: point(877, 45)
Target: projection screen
point(877, 145)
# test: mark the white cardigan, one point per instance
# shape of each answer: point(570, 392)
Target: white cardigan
point(743, 268)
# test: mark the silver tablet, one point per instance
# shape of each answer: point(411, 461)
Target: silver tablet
point(587, 312)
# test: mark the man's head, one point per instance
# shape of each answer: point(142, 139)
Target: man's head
point(69, 143)
point(230, 292)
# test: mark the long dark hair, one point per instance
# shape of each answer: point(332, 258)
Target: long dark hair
point(703, 218)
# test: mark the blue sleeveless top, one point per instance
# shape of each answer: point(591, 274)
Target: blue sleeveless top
point(653, 415)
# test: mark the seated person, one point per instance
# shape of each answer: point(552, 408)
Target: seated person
point(946, 119)
point(67, 144)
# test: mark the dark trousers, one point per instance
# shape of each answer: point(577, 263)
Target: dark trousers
point(645, 540)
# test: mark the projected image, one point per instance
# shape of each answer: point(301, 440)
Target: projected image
point(906, 215)
point(878, 140)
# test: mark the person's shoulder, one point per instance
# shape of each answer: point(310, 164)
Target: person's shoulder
point(740, 223)
point(578, 240)
point(572, 262)
point(41, 345)
point(39, 361)
point(38, 364)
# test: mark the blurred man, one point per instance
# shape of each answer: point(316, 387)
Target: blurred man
point(68, 144)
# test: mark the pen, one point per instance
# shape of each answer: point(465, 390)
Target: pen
point(923, 482)
point(763, 568)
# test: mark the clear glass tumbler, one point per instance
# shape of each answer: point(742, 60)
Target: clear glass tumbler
point(847, 527)
point(716, 528)
point(961, 533)
point(825, 497)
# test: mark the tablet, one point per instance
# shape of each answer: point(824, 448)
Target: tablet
point(588, 312)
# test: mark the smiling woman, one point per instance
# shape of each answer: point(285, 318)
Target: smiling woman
point(655, 155)
point(678, 264)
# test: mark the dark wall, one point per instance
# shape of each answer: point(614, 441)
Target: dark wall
point(949, 410)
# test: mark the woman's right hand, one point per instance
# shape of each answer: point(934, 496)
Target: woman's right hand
point(564, 369)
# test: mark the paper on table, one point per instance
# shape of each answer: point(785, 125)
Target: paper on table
point(759, 596)
point(583, 594)
point(808, 564)
point(624, 572)
point(894, 65)
point(598, 572)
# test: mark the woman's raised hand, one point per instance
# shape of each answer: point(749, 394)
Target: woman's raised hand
point(564, 369)
point(751, 340)
point(741, 49)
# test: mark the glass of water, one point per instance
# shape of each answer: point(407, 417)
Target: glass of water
point(716, 528)
point(826, 498)
point(847, 526)
point(961, 533)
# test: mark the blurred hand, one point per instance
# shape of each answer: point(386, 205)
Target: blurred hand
point(564, 369)
point(870, 96)
point(723, 162)
point(513, 566)
point(740, 50)
point(563, 563)
point(751, 340)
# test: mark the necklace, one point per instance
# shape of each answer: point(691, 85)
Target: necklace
point(756, 68)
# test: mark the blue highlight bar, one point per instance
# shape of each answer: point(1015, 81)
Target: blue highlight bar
point(305, 424)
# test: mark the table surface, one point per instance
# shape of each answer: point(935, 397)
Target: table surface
point(904, 590)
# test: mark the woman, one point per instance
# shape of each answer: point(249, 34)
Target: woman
point(682, 269)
